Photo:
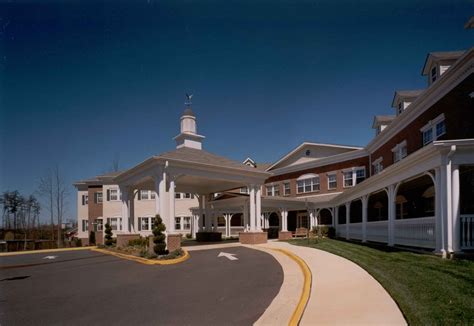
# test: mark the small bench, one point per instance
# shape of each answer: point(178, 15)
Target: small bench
point(300, 232)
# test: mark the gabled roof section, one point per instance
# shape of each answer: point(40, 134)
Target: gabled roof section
point(382, 120)
point(470, 23)
point(448, 57)
point(316, 151)
point(405, 96)
point(248, 161)
point(200, 156)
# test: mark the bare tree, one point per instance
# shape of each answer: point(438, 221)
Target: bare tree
point(46, 190)
point(60, 193)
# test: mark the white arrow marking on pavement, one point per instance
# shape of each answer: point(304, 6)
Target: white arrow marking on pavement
point(50, 257)
point(227, 255)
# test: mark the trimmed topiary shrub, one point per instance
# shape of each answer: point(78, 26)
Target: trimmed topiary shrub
point(158, 237)
point(108, 235)
point(92, 238)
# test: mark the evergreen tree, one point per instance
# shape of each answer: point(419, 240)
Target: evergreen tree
point(108, 235)
point(158, 236)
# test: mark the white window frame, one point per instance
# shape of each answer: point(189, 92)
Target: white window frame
point(432, 126)
point(149, 194)
point(330, 174)
point(353, 172)
point(273, 190)
point(85, 199)
point(378, 165)
point(85, 225)
point(96, 197)
point(286, 188)
point(149, 222)
point(116, 195)
point(244, 190)
point(186, 222)
point(312, 181)
point(400, 151)
point(97, 224)
point(177, 223)
point(117, 225)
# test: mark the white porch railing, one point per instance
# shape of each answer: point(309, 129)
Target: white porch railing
point(417, 232)
point(355, 231)
point(467, 231)
point(340, 230)
point(377, 231)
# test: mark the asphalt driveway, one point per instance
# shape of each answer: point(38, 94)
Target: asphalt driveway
point(90, 288)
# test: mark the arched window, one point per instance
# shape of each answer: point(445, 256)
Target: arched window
point(325, 217)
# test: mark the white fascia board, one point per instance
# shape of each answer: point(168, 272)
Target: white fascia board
point(322, 162)
point(310, 144)
point(414, 164)
point(449, 80)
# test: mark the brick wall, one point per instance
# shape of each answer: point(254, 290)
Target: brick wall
point(458, 109)
point(95, 210)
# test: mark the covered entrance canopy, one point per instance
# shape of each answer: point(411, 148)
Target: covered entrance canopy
point(195, 171)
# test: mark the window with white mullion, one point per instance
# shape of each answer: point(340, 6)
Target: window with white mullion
point(348, 179)
point(286, 188)
point(273, 190)
point(332, 181)
point(308, 185)
point(399, 151)
point(433, 129)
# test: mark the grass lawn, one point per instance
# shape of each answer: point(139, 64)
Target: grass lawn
point(428, 289)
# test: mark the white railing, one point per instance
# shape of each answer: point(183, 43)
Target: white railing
point(355, 231)
point(340, 230)
point(467, 231)
point(377, 231)
point(417, 232)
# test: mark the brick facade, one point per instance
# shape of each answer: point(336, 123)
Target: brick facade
point(459, 119)
point(95, 209)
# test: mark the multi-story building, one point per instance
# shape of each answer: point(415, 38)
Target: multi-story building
point(412, 185)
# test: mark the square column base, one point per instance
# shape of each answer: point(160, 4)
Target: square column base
point(253, 237)
point(284, 235)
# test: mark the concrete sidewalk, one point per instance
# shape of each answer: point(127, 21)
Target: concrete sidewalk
point(342, 293)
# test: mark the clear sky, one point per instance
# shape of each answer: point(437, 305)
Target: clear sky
point(83, 82)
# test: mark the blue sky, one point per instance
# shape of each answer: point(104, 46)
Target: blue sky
point(84, 82)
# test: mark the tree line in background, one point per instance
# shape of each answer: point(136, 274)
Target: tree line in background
point(20, 214)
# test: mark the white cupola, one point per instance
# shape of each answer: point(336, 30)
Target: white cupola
point(188, 136)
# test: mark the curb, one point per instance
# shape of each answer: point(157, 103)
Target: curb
point(145, 260)
point(15, 253)
point(305, 294)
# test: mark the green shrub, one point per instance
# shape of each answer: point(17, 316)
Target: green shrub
point(158, 236)
point(92, 238)
point(108, 235)
point(324, 231)
point(140, 242)
point(78, 242)
point(172, 255)
point(189, 236)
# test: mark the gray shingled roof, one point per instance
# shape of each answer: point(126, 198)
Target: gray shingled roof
point(203, 157)
point(446, 55)
point(409, 93)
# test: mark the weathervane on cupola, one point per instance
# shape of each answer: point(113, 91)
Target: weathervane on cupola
point(188, 136)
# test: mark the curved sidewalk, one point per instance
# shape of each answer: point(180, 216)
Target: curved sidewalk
point(342, 293)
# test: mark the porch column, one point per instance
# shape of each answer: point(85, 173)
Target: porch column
point(310, 218)
point(162, 199)
point(252, 208)
point(258, 208)
point(348, 218)
point(158, 180)
point(439, 227)
point(228, 217)
point(335, 219)
point(201, 212)
point(131, 212)
point(456, 216)
point(284, 220)
point(245, 213)
point(214, 220)
point(171, 203)
point(208, 213)
point(364, 218)
point(391, 215)
point(125, 209)
point(446, 202)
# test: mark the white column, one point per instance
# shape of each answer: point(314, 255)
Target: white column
point(447, 199)
point(440, 236)
point(258, 208)
point(162, 197)
point(348, 215)
point(171, 205)
point(245, 213)
point(364, 218)
point(125, 209)
point(284, 220)
point(252, 208)
point(391, 215)
point(207, 210)
point(456, 215)
point(157, 196)
point(201, 212)
point(214, 220)
point(310, 218)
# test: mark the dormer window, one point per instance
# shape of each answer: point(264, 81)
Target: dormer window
point(433, 74)
point(400, 108)
point(308, 152)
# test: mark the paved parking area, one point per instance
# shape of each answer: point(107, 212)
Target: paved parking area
point(85, 287)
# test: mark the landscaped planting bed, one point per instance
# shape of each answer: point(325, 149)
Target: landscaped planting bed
point(428, 289)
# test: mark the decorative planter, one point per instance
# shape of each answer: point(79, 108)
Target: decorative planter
point(253, 237)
